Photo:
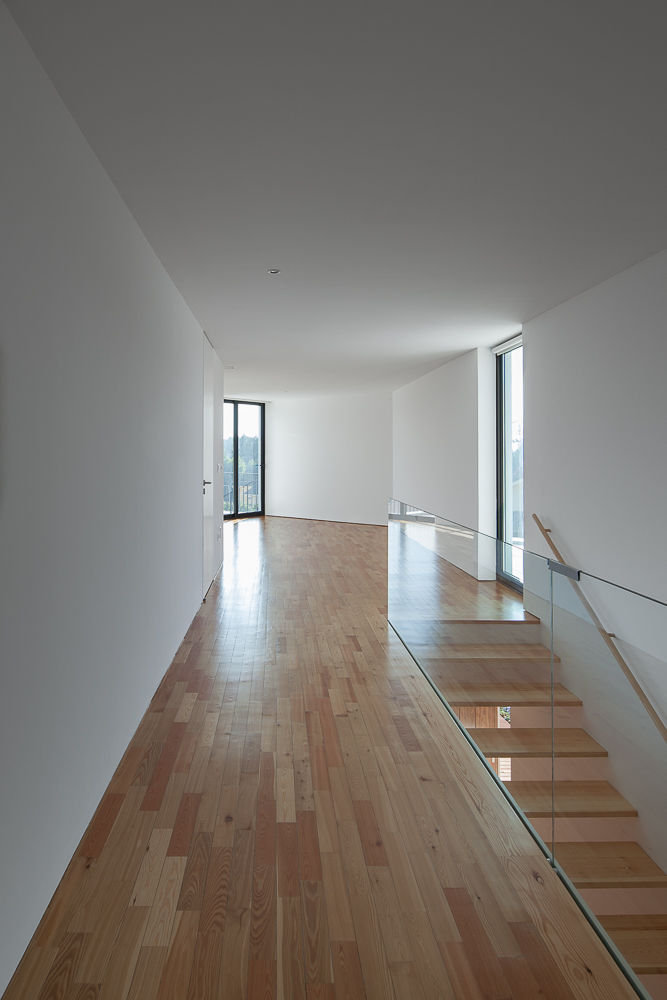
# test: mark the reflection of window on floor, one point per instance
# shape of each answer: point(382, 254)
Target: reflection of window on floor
point(510, 464)
point(243, 458)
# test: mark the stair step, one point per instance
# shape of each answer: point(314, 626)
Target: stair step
point(525, 742)
point(485, 651)
point(525, 694)
point(641, 938)
point(609, 864)
point(510, 616)
point(573, 798)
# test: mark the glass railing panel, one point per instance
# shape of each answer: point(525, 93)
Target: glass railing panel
point(570, 733)
point(531, 712)
point(611, 755)
point(484, 646)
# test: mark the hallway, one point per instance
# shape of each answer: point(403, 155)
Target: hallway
point(297, 816)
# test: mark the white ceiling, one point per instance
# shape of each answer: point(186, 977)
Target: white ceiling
point(426, 175)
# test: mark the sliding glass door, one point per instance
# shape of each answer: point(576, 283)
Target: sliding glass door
point(244, 458)
point(510, 465)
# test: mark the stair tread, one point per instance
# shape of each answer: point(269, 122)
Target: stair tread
point(517, 616)
point(486, 651)
point(609, 864)
point(634, 921)
point(642, 939)
point(573, 798)
point(525, 742)
point(520, 693)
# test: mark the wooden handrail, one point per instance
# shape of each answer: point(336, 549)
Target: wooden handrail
point(608, 638)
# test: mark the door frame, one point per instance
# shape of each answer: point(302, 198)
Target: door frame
point(212, 480)
point(235, 515)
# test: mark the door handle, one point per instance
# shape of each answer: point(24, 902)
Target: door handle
point(207, 482)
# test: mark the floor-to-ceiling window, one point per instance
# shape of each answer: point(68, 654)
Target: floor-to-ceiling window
point(244, 458)
point(510, 463)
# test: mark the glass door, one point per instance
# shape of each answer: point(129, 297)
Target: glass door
point(510, 466)
point(243, 458)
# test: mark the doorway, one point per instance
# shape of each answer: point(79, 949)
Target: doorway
point(212, 484)
point(510, 465)
point(243, 459)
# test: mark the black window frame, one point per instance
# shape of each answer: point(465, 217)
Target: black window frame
point(235, 515)
point(501, 573)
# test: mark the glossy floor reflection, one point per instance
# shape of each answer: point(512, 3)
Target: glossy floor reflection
point(298, 816)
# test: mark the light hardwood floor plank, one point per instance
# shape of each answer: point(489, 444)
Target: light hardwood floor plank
point(298, 816)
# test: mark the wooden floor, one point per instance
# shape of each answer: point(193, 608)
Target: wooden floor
point(298, 816)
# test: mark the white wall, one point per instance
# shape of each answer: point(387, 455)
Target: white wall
point(595, 450)
point(444, 441)
point(486, 441)
point(435, 441)
point(100, 502)
point(595, 459)
point(329, 457)
point(596, 454)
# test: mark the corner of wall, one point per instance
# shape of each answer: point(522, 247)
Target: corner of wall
point(486, 441)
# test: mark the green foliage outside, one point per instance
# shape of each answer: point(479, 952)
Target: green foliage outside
point(248, 455)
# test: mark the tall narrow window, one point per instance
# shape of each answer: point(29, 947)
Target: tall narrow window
point(510, 465)
point(244, 458)
point(229, 457)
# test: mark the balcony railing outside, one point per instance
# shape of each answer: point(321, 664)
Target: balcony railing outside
point(249, 498)
point(540, 693)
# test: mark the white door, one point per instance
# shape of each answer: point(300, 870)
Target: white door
point(212, 483)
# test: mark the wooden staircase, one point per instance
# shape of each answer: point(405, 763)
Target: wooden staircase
point(479, 677)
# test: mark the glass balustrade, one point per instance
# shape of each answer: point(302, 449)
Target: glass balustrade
point(567, 713)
